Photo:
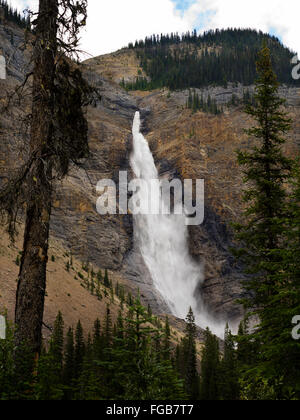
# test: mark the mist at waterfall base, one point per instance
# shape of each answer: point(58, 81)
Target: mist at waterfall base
point(163, 242)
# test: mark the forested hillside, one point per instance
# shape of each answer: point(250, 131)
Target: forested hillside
point(214, 58)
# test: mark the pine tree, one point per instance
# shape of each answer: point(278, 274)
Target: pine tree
point(89, 383)
point(79, 349)
point(50, 369)
point(279, 360)
point(266, 172)
point(134, 371)
point(246, 349)
point(69, 363)
point(97, 339)
point(210, 368)
point(57, 341)
point(190, 373)
point(166, 340)
point(157, 345)
point(108, 328)
point(48, 385)
point(120, 326)
point(229, 378)
point(106, 279)
point(99, 277)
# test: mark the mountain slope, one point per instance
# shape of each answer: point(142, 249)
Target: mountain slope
point(213, 58)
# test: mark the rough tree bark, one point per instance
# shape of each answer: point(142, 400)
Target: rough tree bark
point(32, 276)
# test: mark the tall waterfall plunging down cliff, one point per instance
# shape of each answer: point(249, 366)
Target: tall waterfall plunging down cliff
point(163, 241)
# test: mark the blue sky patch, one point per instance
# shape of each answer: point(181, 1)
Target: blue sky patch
point(183, 4)
point(203, 19)
point(272, 31)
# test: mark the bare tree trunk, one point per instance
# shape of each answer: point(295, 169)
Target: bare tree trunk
point(32, 277)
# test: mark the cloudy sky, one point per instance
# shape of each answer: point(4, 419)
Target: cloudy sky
point(112, 24)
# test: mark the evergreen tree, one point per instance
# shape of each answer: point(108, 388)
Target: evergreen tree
point(279, 362)
point(190, 373)
point(99, 277)
point(133, 371)
point(120, 327)
point(210, 369)
point(246, 349)
point(166, 342)
point(69, 365)
point(108, 328)
point(229, 387)
point(49, 385)
point(57, 341)
point(89, 383)
point(97, 339)
point(106, 279)
point(207, 59)
point(79, 350)
point(266, 172)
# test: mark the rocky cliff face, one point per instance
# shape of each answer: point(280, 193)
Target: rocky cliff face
point(202, 146)
point(184, 145)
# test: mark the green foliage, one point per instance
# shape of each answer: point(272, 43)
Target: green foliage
point(140, 83)
point(268, 355)
point(197, 103)
point(210, 369)
point(132, 366)
point(68, 371)
point(120, 362)
point(229, 383)
point(186, 358)
point(266, 171)
point(99, 276)
point(226, 56)
point(106, 279)
point(79, 349)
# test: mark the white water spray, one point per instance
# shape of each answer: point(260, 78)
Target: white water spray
point(163, 242)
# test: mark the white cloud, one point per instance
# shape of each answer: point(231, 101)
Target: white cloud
point(113, 24)
point(266, 15)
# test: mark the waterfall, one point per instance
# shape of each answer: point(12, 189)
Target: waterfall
point(163, 241)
